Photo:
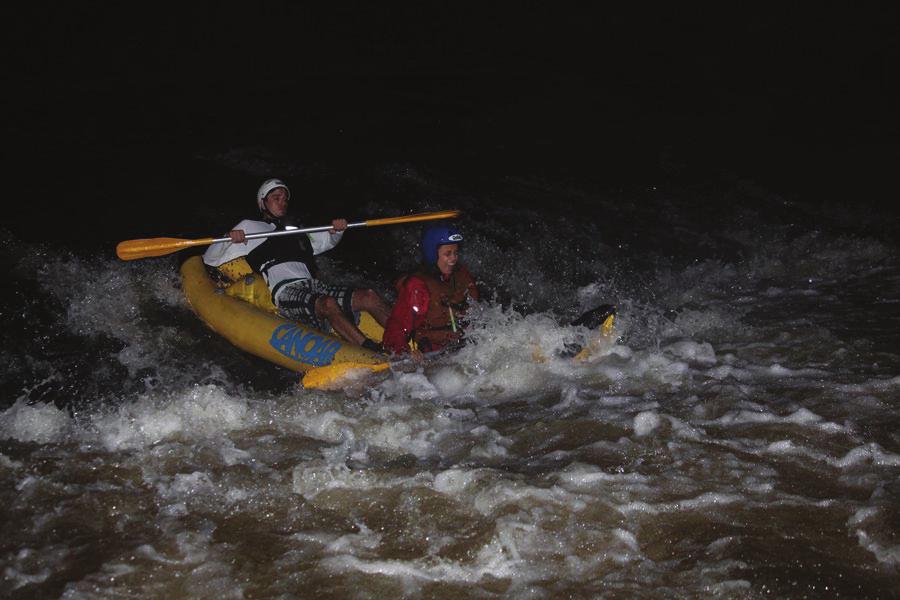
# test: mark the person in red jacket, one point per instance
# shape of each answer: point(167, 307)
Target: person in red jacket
point(431, 300)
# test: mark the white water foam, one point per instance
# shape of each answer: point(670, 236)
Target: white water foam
point(40, 423)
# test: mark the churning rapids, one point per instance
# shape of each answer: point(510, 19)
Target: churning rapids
point(739, 438)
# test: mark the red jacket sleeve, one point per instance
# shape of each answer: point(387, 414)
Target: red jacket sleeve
point(407, 315)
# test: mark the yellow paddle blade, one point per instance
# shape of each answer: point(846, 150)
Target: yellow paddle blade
point(607, 328)
point(605, 331)
point(134, 249)
point(585, 354)
point(432, 216)
point(331, 376)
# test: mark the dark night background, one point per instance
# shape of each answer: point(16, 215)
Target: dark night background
point(723, 173)
point(108, 105)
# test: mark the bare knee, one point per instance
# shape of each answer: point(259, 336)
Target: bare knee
point(365, 298)
point(327, 307)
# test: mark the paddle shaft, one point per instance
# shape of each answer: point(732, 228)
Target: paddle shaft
point(370, 223)
point(265, 234)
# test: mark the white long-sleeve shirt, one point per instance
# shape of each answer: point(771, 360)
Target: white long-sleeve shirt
point(277, 267)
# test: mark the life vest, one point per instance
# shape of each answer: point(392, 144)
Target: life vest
point(279, 259)
point(447, 301)
point(282, 249)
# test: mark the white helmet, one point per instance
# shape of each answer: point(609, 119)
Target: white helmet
point(267, 186)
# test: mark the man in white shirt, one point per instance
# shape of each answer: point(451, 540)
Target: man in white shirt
point(288, 265)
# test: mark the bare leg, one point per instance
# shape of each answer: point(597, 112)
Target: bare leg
point(371, 302)
point(327, 308)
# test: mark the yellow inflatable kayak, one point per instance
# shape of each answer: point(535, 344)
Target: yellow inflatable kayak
point(243, 314)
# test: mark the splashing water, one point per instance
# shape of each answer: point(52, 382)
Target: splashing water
point(736, 438)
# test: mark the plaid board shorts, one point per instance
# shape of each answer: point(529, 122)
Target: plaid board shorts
point(297, 301)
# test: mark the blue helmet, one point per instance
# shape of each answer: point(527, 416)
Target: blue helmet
point(436, 236)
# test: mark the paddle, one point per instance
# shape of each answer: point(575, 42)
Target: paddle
point(134, 249)
point(601, 320)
